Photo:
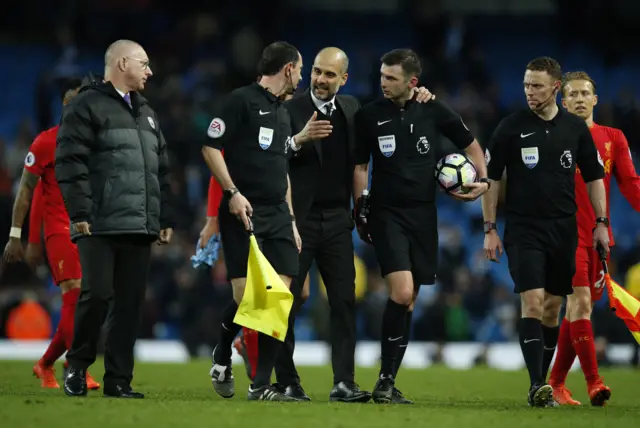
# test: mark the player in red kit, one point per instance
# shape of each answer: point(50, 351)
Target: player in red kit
point(576, 333)
point(39, 181)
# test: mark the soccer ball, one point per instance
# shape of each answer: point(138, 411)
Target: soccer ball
point(454, 171)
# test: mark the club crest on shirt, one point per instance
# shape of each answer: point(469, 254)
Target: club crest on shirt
point(151, 122)
point(423, 146)
point(30, 160)
point(530, 156)
point(387, 144)
point(566, 160)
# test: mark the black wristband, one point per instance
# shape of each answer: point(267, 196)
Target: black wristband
point(230, 192)
point(485, 180)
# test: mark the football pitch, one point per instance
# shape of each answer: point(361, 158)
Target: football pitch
point(180, 395)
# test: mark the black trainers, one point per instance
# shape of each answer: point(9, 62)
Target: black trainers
point(348, 392)
point(383, 391)
point(398, 397)
point(540, 395)
point(222, 378)
point(267, 393)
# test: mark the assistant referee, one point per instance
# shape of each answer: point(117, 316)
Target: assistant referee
point(538, 148)
point(254, 129)
point(403, 137)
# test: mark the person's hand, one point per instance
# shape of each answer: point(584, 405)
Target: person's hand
point(13, 251)
point(240, 207)
point(601, 237)
point(165, 236)
point(477, 190)
point(210, 228)
point(422, 94)
point(296, 237)
point(492, 246)
point(82, 227)
point(34, 255)
point(314, 130)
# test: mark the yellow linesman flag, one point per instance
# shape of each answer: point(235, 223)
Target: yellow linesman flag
point(267, 301)
point(625, 306)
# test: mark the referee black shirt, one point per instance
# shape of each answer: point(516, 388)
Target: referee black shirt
point(253, 128)
point(540, 159)
point(403, 141)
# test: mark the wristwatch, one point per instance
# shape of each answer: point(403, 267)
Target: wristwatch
point(602, 220)
point(489, 226)
point(230, 192)
point(485, 180)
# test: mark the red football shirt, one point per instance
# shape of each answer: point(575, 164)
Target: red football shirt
point(40, 161)
point(614, 150)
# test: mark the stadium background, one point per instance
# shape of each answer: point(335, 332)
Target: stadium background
point(474, 54)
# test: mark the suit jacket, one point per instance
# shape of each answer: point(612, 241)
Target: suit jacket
point(305, 165)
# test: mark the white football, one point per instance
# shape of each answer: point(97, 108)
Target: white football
point(454, 171)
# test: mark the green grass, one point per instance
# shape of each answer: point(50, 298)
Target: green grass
point(182, 396)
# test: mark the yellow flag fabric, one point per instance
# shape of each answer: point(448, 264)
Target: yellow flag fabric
point(267, 301)
point(625, 306)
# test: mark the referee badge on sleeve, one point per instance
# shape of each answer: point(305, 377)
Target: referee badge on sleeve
point(216, 128)
point(387, 144)
point(530, 156)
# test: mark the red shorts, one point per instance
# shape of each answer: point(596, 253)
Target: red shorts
point(589, 272)
point(64, 260)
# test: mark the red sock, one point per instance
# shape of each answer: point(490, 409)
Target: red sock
point(565, 355)
point(583, 343)
point(251, 346)
point(55, 350)
point(68, 314)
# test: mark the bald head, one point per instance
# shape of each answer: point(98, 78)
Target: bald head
point(120, 49)
point(334, 56)
point(329, 73)
point(126, 65)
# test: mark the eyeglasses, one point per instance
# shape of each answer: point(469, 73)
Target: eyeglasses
point(143, 62)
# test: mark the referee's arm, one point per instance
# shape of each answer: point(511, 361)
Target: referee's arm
point(362, 157)
point(496, 156)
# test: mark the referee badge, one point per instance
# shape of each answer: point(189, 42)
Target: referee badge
point(423, 146)
point(530, 156)
point(387, 144)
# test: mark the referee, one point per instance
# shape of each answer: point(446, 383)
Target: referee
point(254, 129)
point(538, 148)
point(113, 171)
point(403, 137)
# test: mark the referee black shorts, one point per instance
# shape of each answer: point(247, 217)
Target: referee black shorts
point(273, 229)
point(406, 239)
point(542, 253)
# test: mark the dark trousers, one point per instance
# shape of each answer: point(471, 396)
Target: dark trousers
point(114, 278)
point(326, 238)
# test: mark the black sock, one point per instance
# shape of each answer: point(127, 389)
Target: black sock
point(268, 348)
point(532, 347)
point(405, 341)
point(550, 340)
point(393, 331)
point(228, 331)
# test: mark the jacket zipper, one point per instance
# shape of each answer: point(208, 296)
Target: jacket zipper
point(144, 161)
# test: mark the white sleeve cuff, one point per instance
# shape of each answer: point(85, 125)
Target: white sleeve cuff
point(293, 145)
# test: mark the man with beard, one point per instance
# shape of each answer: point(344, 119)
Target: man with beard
point(253, 128)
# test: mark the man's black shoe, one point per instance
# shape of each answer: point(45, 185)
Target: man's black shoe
point(383, 391)
point(398, 397)
point(540, 395)
point(75, 384)
point(122, 392)
point(348, 392)
point(294, 390)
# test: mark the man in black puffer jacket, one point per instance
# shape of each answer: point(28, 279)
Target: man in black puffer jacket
point(112, 168)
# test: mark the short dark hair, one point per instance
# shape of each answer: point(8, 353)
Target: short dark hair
point(405, 58)
point(69, 84)
point(275, 56)
point(577, 75)
point(545, 63)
